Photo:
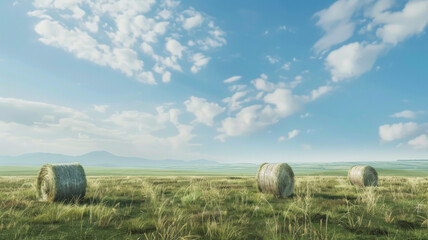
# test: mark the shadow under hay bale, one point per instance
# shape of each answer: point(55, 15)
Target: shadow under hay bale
point(363, 176)
point(276, 179)
point(61, 182)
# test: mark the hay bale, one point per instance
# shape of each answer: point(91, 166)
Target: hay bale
point(61, 182)
point(276, 179)
point(363, 176)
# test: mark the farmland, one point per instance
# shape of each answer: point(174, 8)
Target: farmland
point(217, 207)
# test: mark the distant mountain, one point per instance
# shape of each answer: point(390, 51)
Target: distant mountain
point(413, 160)
point(101, 159)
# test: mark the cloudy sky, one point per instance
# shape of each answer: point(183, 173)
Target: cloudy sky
point(231, 81)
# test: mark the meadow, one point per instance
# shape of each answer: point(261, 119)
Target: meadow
point(218, 207)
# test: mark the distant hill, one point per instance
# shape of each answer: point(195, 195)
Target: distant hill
point(101, 159)
point(106, 159)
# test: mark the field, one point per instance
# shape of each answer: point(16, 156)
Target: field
point(227, 207)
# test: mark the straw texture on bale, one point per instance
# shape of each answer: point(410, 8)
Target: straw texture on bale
point(363, 176)
point(61, 182)
point(276, 179)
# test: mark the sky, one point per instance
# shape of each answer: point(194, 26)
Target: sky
point(230, 81)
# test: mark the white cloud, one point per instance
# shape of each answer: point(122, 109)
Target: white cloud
point(216, 39)
point(165, 14)
point(92, 24)
point(282, 28)
point(140, 121)
point(352, 60)
point(286, 66)
point(237, 87)
point(316, 93)
point(147, 77)
point(335, 21)
point(199, 61)
point(255, 117)
point(281, 139)
point(284, 101)
point(399, 131)
point(234, 103)
point(402, 24)
point(111, 33)
point(166, 77)
point(147, 49)
point(305, 115)
point(204, 111)
point(100, 108)
point(232, 79)
point(85, 47)
point(404, 114)
point(34, 113)
point(420, 142)
point(174, 47)
point(246, 121)
point(40, 14)
point(262, 84)
point(194, 21)
point(272, 60)
point(278, 103)
point(297, 80)
point(292, 134)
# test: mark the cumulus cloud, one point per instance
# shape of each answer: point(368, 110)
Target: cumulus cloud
point(397, 131)
point(199, 61)
point(85, 47)
point(30, 126)
point(246, 121)
point(404, 114)
point(140, 121)
point(235, 101)
point(174, 47)
point(113, 33)
point(400, 25)
point(263, 84)
point(166, 77)
point(195, 19)
point(340, 20)
point(336, 23)
point(270, 103)
point(34, 113)
point(420, 142)
point(352, 60)
point(147, 77)
point(204, 111)
point(316, 93)
point(100, 108)
point(292, 134)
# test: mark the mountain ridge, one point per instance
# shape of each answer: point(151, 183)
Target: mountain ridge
point(98, 159)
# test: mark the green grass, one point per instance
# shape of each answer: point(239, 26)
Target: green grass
point(228, 207)
point(217, 171)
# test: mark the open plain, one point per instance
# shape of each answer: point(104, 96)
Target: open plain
point(227, 207)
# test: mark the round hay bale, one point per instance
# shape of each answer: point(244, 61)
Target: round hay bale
point(363, 176)
point(61, 182)
point(276, 179)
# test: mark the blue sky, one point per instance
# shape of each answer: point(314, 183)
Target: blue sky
point(240, 81)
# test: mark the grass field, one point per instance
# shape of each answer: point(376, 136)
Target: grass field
point(241, 170)
point(323, 207)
